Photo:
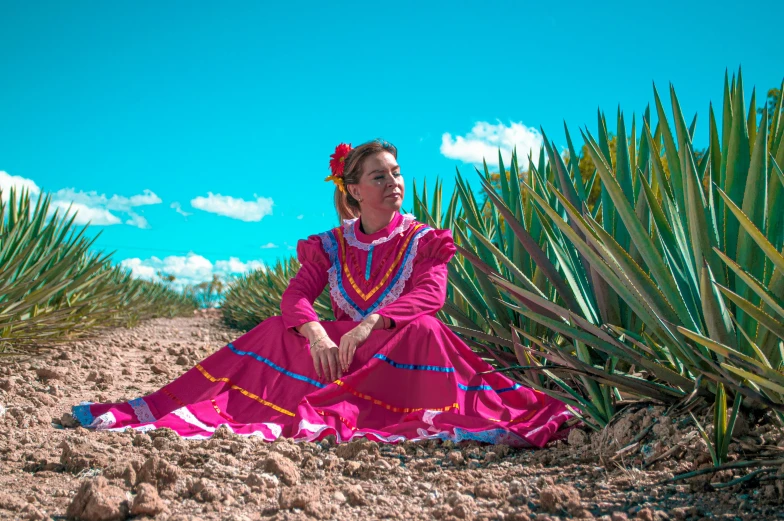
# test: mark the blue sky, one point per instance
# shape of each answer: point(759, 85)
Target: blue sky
point(143, 112)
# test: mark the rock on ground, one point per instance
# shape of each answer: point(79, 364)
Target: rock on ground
point(96, 500)
point(147, 502)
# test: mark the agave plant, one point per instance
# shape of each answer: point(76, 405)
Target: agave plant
point(54, 288)
point(674, 273)
point(256, 296)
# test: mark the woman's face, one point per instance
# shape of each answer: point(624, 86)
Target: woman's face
point(381, 186)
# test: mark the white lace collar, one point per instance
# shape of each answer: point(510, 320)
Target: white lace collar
point(352, 240)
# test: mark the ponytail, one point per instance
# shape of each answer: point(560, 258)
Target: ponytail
point(344, 206)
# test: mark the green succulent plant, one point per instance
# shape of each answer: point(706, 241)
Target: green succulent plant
point(669, 284)
point(54, 288)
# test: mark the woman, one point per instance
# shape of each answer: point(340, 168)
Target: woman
point(385, 369)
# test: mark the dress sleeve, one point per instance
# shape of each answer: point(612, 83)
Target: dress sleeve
point(296, 303)
point(428, 280)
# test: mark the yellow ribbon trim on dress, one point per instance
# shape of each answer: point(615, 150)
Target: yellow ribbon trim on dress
point(345, 421)
point(367, 296)
point(249, 394)
point(173, 397)
point(221, 413)
point(391, 407)
point(341, 383)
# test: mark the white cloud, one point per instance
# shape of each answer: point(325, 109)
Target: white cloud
point(92, 207)
point(248, 211)
point(138, 221)
point(139, 269)
point(485, 139)
point(300, 217)
point(146, 198)
point(7, 181)
point(188, 269)
point(269, 246)
point(86, 214)
point(235, 266)
point(116, 202)
point(97, 208)
point(178, 208)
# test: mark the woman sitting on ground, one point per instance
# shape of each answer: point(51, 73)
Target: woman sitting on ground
point(385, 368)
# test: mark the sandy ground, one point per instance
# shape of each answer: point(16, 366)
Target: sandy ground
point(50, 470)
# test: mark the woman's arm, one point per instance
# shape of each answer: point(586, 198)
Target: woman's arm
point(427, 296)
point(428, 282)
point(313, 331)
point(296, 306)
point(376, 321)
point(296, 303)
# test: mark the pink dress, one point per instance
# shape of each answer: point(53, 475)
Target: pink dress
point(416, 380)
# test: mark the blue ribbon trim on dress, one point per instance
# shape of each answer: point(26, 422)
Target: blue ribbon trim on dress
point(488, 388)
point(443, 369)
point(368, 264)
point(474, 387)
point(82, 414)
point(275, 366)
point(413, 366)
point(335, 257)
point(142, 410)
point(331, 245)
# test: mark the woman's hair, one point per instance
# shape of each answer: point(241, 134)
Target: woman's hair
point(345, 204)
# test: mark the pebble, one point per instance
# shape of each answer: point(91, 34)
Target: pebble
point(282, 467)
point(158, 369)
point(147, 502)
point(44, 373)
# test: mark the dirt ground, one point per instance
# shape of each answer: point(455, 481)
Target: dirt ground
point(48, 469)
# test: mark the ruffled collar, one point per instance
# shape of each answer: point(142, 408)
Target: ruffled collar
point(356, 238)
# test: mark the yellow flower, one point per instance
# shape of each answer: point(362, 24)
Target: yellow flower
point(338, 182)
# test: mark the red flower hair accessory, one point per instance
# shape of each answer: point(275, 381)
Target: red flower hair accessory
point(337, 163)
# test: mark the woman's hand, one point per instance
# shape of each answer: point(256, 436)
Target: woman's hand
point(350, 342)
point(356, 337)
point(325, 359)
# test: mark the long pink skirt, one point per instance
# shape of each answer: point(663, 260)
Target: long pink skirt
point(416, 382)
